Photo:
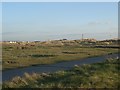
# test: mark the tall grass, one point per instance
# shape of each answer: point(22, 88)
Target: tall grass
point(98, 75)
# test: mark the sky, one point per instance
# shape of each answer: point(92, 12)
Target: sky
point(29, 21)
point(0, 21)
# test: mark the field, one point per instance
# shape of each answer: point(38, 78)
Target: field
point(97, 75)
point(16, 56)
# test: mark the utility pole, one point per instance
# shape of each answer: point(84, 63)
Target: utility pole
point(82, 36)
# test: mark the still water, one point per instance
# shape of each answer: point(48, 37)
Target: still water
point(9, 74)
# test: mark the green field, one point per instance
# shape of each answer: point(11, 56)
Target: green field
point(15, 56)
point(98, 75)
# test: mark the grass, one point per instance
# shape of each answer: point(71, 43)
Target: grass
point(15, 57)
point(97, 75)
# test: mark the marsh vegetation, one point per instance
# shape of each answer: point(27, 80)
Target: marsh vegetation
point(97, 75)
point(17, 55)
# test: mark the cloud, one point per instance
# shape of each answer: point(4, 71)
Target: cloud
point(5, 33)
point(95, 23)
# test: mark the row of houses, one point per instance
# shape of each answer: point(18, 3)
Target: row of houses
point(63, 41)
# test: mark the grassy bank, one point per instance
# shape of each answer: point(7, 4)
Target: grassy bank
point(15, 57)
point(98, 75)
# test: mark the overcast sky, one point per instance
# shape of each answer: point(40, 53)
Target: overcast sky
point(49, 20)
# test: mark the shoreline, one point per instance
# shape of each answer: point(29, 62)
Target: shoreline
point(9, 74)
point(34, 65)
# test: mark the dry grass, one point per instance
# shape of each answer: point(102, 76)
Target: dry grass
point(98, 75)
point(14, 57)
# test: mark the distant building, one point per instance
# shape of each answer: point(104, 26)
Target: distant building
point(89, 40)
point(12, 42)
